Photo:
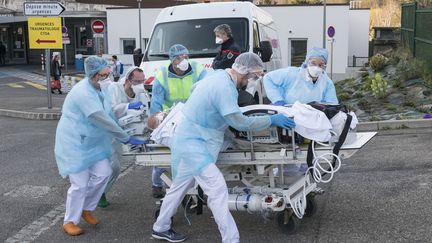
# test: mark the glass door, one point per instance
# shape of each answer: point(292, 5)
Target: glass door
point(297, 49)
point(18, 44)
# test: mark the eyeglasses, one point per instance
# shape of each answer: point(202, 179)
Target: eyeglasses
point(104, 75)
point(321, 65)
point(136, 82)
point(254, 76)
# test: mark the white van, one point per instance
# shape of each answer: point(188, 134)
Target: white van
point(192, 25)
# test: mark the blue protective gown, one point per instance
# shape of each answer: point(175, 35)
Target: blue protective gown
point(209, 110)
point(86, 129)
point(294, 84)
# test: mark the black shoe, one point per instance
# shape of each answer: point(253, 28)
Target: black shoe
point(169, 235)
point(158, 192)
point(60, 92)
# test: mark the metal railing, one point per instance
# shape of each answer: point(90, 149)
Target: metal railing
point(356, 61)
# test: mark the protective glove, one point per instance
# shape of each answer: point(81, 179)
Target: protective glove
point(135, 141)
point(279, 103)
point(282, 121)
point(135, 105)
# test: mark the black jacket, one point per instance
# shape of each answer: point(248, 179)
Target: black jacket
point(227, 54)
point(55, 66)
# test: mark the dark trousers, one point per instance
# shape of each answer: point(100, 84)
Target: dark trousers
point(2, 59)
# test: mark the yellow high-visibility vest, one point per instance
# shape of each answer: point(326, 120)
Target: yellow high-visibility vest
point(177, 89)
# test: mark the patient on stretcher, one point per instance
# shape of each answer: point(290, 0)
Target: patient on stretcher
point(311, 124)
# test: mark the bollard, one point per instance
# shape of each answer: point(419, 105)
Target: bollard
point(65, 84)
point(73, 81)
point(43, 62)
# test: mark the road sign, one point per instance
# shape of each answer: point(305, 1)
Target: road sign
point(43, 8)
point(331, 31)
point(66, 40)
point(45, 33)
point(64, 29)
point(98, 26)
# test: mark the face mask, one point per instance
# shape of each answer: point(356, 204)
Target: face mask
point(104, 83)
point(219, 40)
point(314, 71)
point(139, 88)
point(183, 65)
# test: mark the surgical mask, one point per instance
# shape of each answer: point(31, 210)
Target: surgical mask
point(219, 40)
point(104, 83)
point(314, 71)
point(139, 88)
point(183, 65)
point(252, 84)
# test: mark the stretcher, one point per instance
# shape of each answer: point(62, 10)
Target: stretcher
point(257, 176)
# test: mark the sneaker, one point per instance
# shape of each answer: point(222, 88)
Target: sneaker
point(169, 235)
point(103, 202)
point(158, 192)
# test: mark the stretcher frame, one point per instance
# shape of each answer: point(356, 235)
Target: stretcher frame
point(254, 171)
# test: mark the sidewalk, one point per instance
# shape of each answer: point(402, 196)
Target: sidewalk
point(20, 104)
point(19, 99)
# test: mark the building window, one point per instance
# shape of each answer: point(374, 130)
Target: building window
point(128, 46)
point(297, 49)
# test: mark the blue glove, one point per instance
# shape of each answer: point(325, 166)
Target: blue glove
point(135, 105)
point(282, 121)
point(279, 103)
point(135, 141)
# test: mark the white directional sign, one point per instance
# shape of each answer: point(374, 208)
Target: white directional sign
point(43, 8)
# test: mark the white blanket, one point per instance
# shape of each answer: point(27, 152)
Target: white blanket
point(163, 133)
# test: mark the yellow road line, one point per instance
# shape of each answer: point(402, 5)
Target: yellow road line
point(15, 85)
point(36, 85)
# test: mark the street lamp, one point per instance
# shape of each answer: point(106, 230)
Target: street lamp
point(139, 23)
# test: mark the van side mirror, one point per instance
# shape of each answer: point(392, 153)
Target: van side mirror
point(265, 51)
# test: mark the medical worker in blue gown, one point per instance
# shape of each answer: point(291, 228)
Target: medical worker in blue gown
point(210, 109)
point(83, 143)
point(305, 84)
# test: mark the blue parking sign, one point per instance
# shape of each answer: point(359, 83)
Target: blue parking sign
point(331, 31)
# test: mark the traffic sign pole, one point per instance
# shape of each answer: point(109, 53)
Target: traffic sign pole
point(64, 48)
point(331, 58)
point(331, 33)
point(48, 75)
point(45, 32)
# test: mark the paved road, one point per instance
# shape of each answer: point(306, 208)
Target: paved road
point(382, 194)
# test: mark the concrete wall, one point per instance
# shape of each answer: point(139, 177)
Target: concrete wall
point(123, 23)
point(306, 22)
point(359, 34)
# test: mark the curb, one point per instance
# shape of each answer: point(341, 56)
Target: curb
point(363, 126)
point(31, 115)
point(394, 124)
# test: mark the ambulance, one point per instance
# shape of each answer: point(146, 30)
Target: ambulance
point(192, 25)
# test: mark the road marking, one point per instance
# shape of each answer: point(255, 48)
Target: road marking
point(28, 191)
point(15, 85)
point(36, 85)
point(30, 232)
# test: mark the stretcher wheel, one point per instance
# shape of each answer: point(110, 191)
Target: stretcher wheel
point(311, 206)
point(287, 221)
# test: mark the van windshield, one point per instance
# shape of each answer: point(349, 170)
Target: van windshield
point(197, 35)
